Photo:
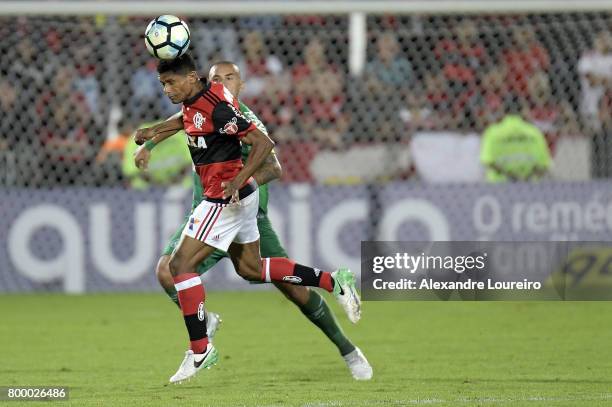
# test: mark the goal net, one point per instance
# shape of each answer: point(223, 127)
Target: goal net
point(365, 113)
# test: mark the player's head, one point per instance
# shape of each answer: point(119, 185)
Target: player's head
point(179, 78)
point(228, 74)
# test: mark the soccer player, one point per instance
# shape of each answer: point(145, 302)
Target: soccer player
point(226, 217)
point(310, 302)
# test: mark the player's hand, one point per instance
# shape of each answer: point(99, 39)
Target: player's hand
point(231, 189)
point(143, 135)
point(142, 157)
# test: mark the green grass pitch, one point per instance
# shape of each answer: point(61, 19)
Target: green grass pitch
point(120, 350)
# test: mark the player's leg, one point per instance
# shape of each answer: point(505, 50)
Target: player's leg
point(246, 260)
point(278, 268)
point(162, 271)
point(310, 302)
point(242, 252)
point(313, 305)
point(284, 270)
point(191, 251)
point(164, 277)
point(341, 282)
point(213, 225)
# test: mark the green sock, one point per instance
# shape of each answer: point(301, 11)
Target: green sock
point(173, 296)
point(318, 312)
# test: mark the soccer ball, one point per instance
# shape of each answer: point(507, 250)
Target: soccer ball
point(167, 37)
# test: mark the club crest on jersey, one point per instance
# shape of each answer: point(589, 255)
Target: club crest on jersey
point(230, 127)
point(199, 120)
point(201, 313)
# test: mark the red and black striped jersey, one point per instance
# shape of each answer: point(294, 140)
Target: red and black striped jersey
point(214, 125)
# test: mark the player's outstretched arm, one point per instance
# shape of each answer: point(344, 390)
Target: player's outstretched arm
point(262, 145)
point(160, 131)
point(151, 136)
point(269, 171)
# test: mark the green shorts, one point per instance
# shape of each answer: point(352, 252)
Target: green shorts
point(269, 244)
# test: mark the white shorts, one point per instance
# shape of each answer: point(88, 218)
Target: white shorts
point(218, 225)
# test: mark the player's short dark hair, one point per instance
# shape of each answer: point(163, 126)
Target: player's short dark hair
point(181, 65)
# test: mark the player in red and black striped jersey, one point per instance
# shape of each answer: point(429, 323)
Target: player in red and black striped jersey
point(226, 218)
point(214, 126)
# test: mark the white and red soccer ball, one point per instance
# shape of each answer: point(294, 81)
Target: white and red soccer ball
point(167, 37)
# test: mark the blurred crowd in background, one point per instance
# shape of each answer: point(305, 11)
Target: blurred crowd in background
point(72, 91)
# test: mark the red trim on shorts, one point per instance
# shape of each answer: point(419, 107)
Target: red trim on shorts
point(213, 224)
point(209, 222)
point(203, 222)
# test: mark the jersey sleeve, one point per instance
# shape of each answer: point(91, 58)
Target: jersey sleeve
point(229, 121)
point(248, 113)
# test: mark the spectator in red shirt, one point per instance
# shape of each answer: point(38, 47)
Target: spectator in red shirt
point(438, 100)
point(324, 117)
point(488, 101)
point(69, 132)
point(267, 85)
point(523, 59)
point(553, 117)
point(319, 97)
point(262, 69)
point(66, 144)
point(461, 57)
point(540, 108)
point(314, 62)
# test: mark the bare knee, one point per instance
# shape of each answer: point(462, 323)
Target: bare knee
point(162, 271)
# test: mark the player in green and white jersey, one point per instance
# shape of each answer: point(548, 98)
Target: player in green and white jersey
point(309, 301)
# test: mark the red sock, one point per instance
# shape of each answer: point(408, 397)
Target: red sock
point(288, 271)
point(191, 297)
